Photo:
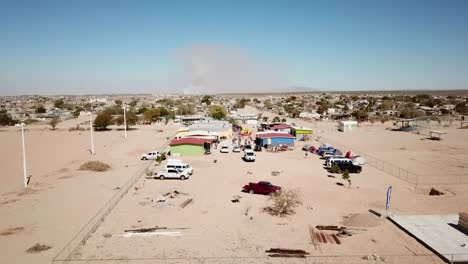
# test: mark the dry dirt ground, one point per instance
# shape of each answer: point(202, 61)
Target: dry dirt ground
point(219, 231)
point(60, 199)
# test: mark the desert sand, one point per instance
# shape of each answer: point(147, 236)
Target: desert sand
point(61, 200)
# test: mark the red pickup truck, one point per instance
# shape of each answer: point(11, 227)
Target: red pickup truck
point(262, 187)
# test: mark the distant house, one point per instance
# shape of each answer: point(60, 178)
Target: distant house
point(348, 125)
point(391, 113)
point(281, 128)
point(274, 139)
point(189, 146)
point(309, 115)
point(188, 120)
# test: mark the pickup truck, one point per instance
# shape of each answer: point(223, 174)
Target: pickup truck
point(150, 155)
point(262, 187)
point(172, 174)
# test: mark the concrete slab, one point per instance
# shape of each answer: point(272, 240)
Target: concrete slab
point(437, 232)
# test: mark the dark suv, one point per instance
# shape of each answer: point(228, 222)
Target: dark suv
point(349, 166)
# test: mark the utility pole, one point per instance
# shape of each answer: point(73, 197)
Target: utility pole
point(91, 132)
point(125, 121)
point(24, 155)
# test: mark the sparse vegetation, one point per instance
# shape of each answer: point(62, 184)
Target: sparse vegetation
point(54, 122)
point(103, 120)
point(94, 166)
point(335, 169)
point(161, 157)
point(37, 248)
point(284, 203)
point(217, 112)
point(346, 177)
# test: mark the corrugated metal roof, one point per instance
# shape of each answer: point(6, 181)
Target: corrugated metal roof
point(275, 135)
point(190, 141)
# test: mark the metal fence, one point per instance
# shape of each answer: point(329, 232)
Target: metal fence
point(67, 253)
point(401, 173)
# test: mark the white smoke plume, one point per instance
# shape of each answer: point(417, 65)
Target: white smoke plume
point(210, 69)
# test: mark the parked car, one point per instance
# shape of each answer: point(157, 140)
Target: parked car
point(224, 149)
point(249, 155)
point(262, 187)
point(172, 174)
point(349, 166)
point(258, 148)
point(307, 147)
point(151, 155)
point(332, 160)
point(328, 154)
point(247, 147)
point(321, 150)
point(236, 148)
point(179, 165)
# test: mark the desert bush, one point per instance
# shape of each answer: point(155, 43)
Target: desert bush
point(335, 169)
point(94, 166)
point(54, 122)
point(161, 157)
point(346, 177)
point(284, 203)
point(38, 248)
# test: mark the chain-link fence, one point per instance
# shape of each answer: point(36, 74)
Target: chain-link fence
point(67, 253)
point(401, 173)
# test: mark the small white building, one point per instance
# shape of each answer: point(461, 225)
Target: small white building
point(348, 125)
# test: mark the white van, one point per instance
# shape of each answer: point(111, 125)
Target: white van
point(179, 165)
point(249, 155)
point(331, 160)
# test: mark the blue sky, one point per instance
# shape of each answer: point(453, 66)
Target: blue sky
point(76, 47)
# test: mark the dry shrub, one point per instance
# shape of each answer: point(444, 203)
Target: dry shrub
point(38, 247)
point(284, 203)
point(94, 166)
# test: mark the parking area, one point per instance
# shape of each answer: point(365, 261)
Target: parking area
point(201, 221)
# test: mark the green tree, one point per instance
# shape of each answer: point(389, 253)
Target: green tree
point(276, 119)
point(118, 102)
point(59, 103)
point(265, 119)
point(267, 103)
point(77, 111)
point(151, 115)
point(103, 120)
point(461, 108)
point(131, 116)
point(360, 114)
point(133, 103)
point(207, 99)
point(54, 122)
point(5, 119)
point(217, 112)
point(40, 109)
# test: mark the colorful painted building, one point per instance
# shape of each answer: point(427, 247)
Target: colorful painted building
point(189, 146)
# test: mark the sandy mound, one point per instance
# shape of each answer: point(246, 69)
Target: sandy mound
point(361, 220)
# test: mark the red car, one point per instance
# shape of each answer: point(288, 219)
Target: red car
point(262, 187)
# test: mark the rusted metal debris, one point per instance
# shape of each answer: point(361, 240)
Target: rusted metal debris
point(286, 253)
point(151, 229)
point(186, 202)
point(286, 256)
point(319, 237)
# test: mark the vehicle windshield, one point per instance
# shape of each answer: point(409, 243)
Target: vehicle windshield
point(249, 154)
